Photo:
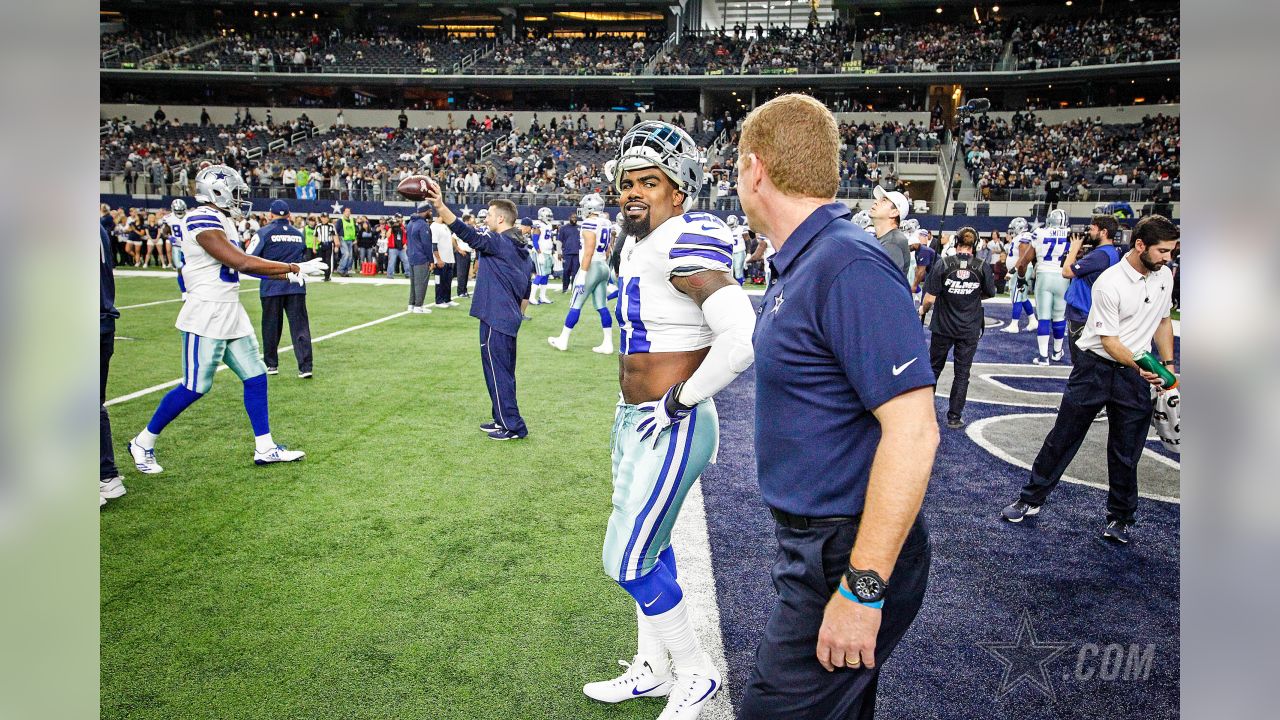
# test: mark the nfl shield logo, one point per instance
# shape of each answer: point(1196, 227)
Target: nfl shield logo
point(962, 274)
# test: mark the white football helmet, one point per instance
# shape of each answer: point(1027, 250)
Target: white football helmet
point(545, 214)
point(924, 237)
point(618, 218)
point(910, 227)
point(731, 221)
point(223, 188)
point(178, 207)
point(1057, 218)
point(664, 146)
point(591, 204)
point(862, 220)
point(1017, 226)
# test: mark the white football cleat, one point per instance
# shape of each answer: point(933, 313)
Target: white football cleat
point(690, 693)
point(1040, 360)
point(277, 454)
point(640, 680)
point(1057, 357)
point(1011, 328)
point(144, 460)
point(111, 489)
point(1032, 321)
point(603, 349)
point(558, 344)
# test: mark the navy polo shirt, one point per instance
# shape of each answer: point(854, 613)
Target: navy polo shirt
point(570, 239)
point(282, 242)
point(1079, 297)
point(503, 279)
point(838, 336)
point(418, 232)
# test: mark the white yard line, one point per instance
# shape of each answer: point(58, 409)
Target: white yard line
point(163, 302)
point(289, 348)
point(692, 546)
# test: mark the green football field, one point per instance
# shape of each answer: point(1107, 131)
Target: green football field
point(408, 567)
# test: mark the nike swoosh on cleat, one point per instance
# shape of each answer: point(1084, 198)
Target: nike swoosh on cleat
point(638, 691)
point(897, 369)
point(708, 692)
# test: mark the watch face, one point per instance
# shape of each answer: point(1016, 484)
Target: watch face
point(868, 588)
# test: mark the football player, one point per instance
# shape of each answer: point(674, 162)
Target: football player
point(1047, 248)
point(1019, 237)
point(215, 327)
point(544, 255)
point(863, 220)
point(764, 251)
point(686, 330)
point(739, 247)
point(173, 221)
point(593, 276)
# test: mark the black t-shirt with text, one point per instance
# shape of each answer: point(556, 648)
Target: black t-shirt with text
point(958, 284)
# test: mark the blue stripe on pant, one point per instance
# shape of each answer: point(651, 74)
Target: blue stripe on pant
point(498, 356)
point(787, 681)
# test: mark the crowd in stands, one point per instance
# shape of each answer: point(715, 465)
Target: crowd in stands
point(1095, 41)
point(820, 50)
point(1085, 155)
point(583, 56)
point(708, 54)
point(933, 47)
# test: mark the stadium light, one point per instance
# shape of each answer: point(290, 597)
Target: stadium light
point(939, 11)
point(995, 8)
point(876, 13)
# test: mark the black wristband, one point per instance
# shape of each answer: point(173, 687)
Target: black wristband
point(673, 404)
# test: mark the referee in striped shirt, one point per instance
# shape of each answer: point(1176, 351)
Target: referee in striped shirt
point(325, 233)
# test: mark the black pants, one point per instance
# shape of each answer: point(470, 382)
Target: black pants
point(326, 254)
point(498, 356)
point(939, 346)
point(462, 266)
point(1074, 331)
point(1096, 383)
point(571, 265)
point(787, 681)
point(106, 454)
point(444, 284)
point(273, 308)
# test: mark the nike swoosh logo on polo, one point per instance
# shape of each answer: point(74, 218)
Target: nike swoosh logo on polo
point(638, 691)
point(651, 602)
point(708, 692)
point(897, 369)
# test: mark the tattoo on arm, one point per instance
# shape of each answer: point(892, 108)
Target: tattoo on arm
point(703, 285)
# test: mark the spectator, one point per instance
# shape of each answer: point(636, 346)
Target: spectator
point(421, 259)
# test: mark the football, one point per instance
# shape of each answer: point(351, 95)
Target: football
point(414, 187)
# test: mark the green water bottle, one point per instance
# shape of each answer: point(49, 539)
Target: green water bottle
point(1152, 364)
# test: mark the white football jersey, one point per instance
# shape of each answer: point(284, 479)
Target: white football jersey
point(653, 315)
point(1051, 246)
point(739, 239)
point(544, 237)
point(175, 229)
point(213, 308)
point(603, 228)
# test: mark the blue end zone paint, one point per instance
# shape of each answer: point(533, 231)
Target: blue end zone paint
point(1032, 384)
point(1078, 588)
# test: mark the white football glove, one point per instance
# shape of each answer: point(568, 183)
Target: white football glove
point(314, 266)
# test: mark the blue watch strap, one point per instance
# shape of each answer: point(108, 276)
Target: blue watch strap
point(848, 594)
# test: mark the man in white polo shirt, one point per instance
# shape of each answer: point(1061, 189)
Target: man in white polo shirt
point(1131, 303)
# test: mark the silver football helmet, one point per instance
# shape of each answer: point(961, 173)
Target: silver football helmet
point(1017, 226)
point(731, 221)
point(545, 214)
point(1057, 218)
point(222, 187)
point(178, 207)
point(910, 227)
point(664, 146)
point(591, 204)
point(862, 220)
point(618, 218)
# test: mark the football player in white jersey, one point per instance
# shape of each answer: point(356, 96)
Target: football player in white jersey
point(592, 279)
point(173, 221)
point(1046, 250)
point(686, 330)
point(863, 220)
point(544, 255)
point(215, 327)
point(764, 251)
point(739, 231)
point(1019, 237)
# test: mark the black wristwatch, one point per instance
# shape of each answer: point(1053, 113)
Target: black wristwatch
point(867, 585)
point(1166, 363)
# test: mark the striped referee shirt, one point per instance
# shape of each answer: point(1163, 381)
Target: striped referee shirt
point(324, 232)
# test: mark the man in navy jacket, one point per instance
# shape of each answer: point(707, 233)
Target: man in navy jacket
point(502, 282)
point(280, 240)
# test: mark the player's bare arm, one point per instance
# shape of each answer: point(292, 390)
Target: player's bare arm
point(1025, 256)
point(216, 243)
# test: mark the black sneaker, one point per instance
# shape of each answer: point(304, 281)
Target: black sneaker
point(1015, 512)
point(955, 423)
point(1117, 531)
point(1102, 415)
point(273, 371)
point(490, 427)
point(503, 434)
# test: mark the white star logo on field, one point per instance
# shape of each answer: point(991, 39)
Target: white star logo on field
point(337, 207)
point(1025, 659)
point(466, 210)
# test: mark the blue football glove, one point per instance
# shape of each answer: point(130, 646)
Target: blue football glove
point(666, 413)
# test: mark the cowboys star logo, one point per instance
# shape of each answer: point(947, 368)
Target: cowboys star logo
point(777, 302)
